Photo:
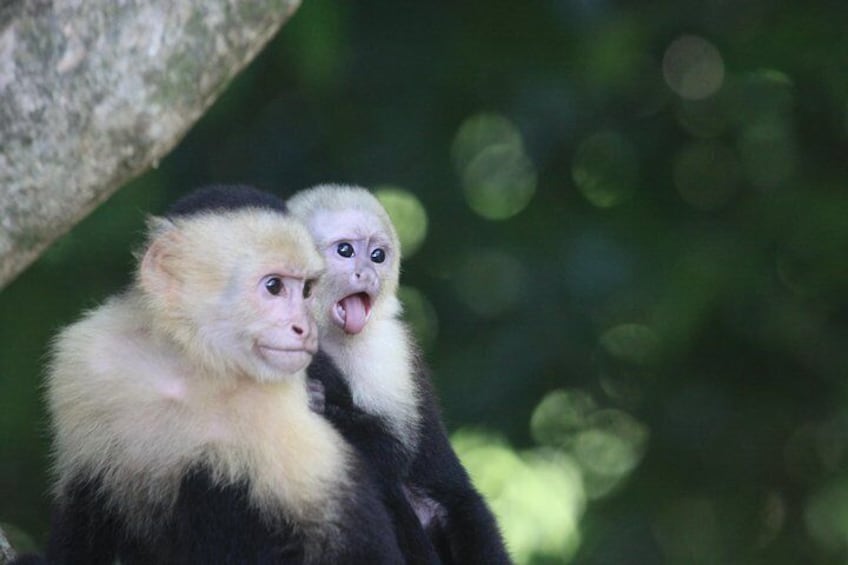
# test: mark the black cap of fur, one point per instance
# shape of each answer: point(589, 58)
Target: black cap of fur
point(225, 197)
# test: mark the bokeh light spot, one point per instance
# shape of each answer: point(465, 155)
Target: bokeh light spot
point(488, 458)
point(627, 357)
point(634, 344)
point(693, 67)
point(765, 95)
point(499, 182)
point(498, 178)
point(773, 513)
point(608, 450)
point(605, 169)
point(559, 415)
point(491, 282)
point(420, 314)
point(407, 214)
point(607, 444)
point(478, 133)
point(762, 104)
point(537, 496)
point(769, 154)
point(826, 516)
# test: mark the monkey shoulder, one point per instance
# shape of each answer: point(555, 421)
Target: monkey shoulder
point(126, 410)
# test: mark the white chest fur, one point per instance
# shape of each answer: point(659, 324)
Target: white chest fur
point(378, 366)
point(128, 410)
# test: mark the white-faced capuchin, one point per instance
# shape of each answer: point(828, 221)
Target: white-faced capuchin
point(182, 427)
point(376, 390)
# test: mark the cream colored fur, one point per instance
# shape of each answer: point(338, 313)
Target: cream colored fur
point(212, 257)
point(379, 362)
point(134, 412)
point(130, 406)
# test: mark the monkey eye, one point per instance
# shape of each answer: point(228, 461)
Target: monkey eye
point(345, 249)
point(307, 288)
point(274, 285)
point(378, 255)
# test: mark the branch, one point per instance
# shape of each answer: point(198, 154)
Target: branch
point(93, 93)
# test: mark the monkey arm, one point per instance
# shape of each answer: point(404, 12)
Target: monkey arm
point(381, 452)
point(387, 459)
point(464, 529)
point(368, 433)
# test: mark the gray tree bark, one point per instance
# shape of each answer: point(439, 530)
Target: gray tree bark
point(93, 92)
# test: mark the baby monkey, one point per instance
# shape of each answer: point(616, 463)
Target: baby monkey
point(376, 390)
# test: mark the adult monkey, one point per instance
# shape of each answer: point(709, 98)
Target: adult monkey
point(182, 427)
point(376, 392)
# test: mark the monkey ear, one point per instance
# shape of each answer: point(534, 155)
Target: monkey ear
point(158, 274)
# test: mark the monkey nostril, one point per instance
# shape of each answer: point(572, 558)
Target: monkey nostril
point(298, 330)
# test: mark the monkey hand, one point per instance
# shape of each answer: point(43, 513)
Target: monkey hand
point(427, 509)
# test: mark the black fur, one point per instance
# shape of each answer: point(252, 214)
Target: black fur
point(215, 524)
point(85, 529)
point(224, 197)
point(388, 458)
point(465, 532)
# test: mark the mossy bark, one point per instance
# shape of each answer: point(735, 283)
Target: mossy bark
point(93, 92)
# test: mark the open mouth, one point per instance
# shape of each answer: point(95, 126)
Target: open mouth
point(352, 312)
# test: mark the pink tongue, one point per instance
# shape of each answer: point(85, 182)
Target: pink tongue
point(355, 315)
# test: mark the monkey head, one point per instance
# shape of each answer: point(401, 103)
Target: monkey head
point(361, 249)
point(234, 290)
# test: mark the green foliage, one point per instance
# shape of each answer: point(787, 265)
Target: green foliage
point(628, 256)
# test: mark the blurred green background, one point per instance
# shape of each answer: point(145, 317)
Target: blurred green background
point(626, 239)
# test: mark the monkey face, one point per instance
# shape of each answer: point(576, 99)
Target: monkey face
point(235, 291)
point(362, 263)
point(284, 334)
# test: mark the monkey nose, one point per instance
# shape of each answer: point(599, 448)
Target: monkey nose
point(367, 275)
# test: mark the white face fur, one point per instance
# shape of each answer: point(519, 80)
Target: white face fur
point(361, 259)
point(283, 335)
point(235, 291)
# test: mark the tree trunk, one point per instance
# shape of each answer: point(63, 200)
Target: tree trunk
point(93, 92)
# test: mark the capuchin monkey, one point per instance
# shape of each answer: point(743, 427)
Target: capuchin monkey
point(375, 389)
point(180, 413)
